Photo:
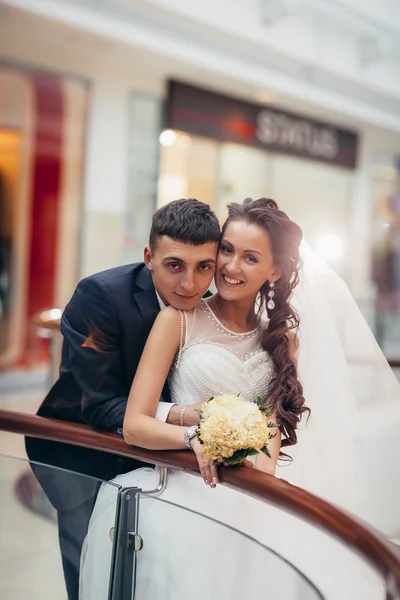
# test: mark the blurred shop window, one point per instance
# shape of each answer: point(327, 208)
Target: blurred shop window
point(4, 252)
point(42, 149)
point(188, 167)
point(244, 172)
point(385, 258)
point(145, 113)
point(9, 149)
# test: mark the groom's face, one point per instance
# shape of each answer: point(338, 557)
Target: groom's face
point(182, 272)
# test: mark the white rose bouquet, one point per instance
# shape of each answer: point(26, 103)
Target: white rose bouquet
point(231, 429)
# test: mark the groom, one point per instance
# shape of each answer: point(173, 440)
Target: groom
point(105, 326)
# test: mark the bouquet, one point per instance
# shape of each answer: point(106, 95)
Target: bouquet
point(231, 429)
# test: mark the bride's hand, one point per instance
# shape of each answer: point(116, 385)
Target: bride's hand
point(208, 470)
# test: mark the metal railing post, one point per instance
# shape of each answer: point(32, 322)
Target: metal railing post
point(126, 543)
point(126, 539)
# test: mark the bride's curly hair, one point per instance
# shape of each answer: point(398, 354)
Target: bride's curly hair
point(285, 397)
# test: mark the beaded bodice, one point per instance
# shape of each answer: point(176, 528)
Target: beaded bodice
point(215, 360)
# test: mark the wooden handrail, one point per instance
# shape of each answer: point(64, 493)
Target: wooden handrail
point(370, 544)
point(394, 362)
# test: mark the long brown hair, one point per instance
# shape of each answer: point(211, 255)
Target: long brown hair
point(285, 396)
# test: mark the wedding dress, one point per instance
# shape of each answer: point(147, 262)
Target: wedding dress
point(223, 554)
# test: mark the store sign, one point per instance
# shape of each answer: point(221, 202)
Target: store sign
point(280, 130)
point(225, 119)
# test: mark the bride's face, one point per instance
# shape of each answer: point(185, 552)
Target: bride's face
point(245, 261)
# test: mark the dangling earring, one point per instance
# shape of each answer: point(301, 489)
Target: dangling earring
point(271, 294)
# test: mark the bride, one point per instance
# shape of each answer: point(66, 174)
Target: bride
point(241, 341)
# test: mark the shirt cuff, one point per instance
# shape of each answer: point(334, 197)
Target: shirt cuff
point(163, 411)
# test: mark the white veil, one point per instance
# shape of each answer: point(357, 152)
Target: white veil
point(347, 451)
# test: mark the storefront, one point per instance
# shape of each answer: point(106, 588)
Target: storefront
point(42, 141)
point(220, 149)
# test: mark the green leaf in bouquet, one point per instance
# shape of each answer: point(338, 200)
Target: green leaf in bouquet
point(200, 410)
point(239, 456)
point(261, 403)
point(265, 450)
point(272, 425)
point(265, 409)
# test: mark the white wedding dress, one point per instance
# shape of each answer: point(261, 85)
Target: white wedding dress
point(188, 556)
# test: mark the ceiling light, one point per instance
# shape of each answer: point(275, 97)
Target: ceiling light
point(167, 137)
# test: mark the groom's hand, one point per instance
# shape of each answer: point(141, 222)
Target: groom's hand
point(190, 416)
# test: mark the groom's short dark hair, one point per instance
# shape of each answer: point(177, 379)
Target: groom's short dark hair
point(188, 221)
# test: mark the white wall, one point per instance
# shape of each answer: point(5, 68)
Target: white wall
point(327, 38)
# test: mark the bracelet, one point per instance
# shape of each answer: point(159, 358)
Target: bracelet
point(183, 415)
point(190, 433)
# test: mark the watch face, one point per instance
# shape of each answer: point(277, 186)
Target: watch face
point(190, 434)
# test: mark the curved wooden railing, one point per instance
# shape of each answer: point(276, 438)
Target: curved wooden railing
point(370, 544)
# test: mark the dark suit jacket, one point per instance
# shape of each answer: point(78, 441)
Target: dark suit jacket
point(105, 326)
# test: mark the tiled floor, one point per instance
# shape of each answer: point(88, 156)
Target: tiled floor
point(30, 564)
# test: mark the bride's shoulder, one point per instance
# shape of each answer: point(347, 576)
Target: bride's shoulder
point(170, 316)
point(168, 324)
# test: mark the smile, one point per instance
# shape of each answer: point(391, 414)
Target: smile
point(231, 281)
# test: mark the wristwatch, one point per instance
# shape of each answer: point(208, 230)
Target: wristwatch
point(190, 433)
